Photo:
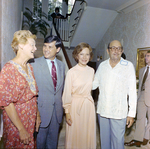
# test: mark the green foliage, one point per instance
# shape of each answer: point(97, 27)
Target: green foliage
point(37, 7)
point(35, 25)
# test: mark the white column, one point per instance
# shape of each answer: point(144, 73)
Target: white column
point(64, 9)
point(45, 6)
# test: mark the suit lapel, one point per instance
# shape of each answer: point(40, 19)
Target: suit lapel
point(148, 77)
point(141, 77)
point(59, 75)
point(46, 74)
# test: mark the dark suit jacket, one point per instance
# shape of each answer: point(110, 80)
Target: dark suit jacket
point(53, 15)
point(47, 97)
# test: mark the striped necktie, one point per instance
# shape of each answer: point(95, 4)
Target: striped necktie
point(54, 75)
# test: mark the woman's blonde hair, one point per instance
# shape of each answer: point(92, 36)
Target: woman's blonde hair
point(79, 48)
point(21, 37)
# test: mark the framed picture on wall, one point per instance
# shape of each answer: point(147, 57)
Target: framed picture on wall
point(141, 59)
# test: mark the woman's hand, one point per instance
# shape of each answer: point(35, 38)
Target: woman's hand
point(38, 122)
point(68, 119)
point(24, 136)
point(13, 115)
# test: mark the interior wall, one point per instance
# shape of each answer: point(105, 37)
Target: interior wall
point(133, 29)
point(10, 21)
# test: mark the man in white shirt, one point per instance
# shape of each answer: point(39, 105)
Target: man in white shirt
point(142, 134)
point(116, 80)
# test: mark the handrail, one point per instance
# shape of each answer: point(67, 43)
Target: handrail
point(74, 6)
point(58, 34)
point(63, 49)
point(64, 27)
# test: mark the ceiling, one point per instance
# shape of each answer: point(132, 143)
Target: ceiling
point(97, 18)
point(111, 4)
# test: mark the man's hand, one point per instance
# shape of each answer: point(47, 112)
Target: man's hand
point(130, 121)
point(38, 122)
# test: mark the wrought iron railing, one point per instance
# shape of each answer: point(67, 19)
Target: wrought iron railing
point(66, 27)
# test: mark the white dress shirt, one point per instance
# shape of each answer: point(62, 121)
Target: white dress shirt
point(50, 65)
point(114, 86)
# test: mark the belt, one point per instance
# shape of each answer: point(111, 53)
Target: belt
point(83, 98)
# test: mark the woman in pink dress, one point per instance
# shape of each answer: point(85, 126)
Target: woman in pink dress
point(78, 102)
point(18, 91)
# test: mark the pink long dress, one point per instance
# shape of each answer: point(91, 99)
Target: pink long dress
point(77, 101)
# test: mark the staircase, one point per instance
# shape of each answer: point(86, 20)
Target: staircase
point(84, 24)
point(39, 46)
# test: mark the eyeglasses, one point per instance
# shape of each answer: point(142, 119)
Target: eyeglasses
point(119, 49)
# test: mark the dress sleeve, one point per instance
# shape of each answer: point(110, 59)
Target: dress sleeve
point(66, 98)
point(8, 87)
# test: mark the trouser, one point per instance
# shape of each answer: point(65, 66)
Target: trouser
point(142, 110)
point(47, 138)
point(112, 132)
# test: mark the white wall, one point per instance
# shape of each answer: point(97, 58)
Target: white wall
point(133, 28)
point(10, 21)
point(28, 4)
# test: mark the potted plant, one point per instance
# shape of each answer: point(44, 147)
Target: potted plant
point(35, 23)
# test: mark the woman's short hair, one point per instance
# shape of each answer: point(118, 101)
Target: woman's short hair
point(21, 37)
point(79, 48)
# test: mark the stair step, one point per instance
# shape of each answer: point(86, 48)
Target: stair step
point(79, 10)
point(74, 25)
point(38, 53)
point(76, 18)
point(39, 46)
point(71, 31)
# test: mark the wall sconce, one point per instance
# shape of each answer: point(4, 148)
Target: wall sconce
point(99, 58)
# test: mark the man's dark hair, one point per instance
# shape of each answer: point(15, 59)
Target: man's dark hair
point(109, 46)
point(52, 38)
point(123, 55)
point(148, 51)
point(57, 9)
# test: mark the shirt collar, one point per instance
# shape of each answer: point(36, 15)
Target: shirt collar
point(48, 60)
point(117, 64)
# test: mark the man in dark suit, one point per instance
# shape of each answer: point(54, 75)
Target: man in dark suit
point(49, 74)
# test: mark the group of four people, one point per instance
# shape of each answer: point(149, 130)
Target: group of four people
point(33, 97)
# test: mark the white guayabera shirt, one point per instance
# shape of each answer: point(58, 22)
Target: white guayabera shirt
point(114, 86)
